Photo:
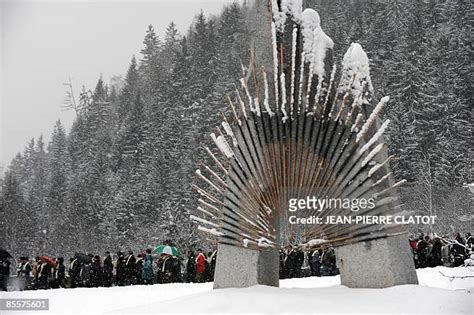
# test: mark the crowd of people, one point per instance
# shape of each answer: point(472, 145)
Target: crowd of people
point(432, 251)
point(428, 251)
point(296, 263)
point(121, 269)
point(147, 268)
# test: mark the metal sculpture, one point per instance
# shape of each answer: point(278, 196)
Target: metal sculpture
point(300, 129)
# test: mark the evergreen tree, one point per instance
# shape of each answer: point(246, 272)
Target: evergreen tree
point(16, 224)
point(129, 92)
point(151, 70)
point(57, 189)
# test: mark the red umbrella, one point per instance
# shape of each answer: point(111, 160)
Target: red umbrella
point(49, 260)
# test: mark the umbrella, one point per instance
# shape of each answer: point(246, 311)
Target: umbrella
point(166, 249)
point(49, 260)
point(4, 254)
point(83, 258)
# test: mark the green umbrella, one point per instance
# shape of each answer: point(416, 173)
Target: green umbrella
point(166, 249)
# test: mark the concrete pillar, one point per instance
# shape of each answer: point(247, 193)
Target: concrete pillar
point(238, 267)
point(379, 263)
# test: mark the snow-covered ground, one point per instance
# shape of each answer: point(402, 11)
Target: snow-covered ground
point(436, 294)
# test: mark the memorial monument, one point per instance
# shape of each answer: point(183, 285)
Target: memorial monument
point(301, 125)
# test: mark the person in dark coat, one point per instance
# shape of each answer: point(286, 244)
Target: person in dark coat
point(176, 275)
point(435, 254)
point(120, 269)
point(147, 273)
point(282, 271)
point(59, 274)
point(422, 249)
point(326, 263)
point(4, 273)
point(139, 269)
point(316, 262)
point(299, 261)
point(290, 262)
point(130, 268)
point(96, 272)
point(75, 268)
point(211, 265)
point(24, 273)
point(86, 271)
point(190, 267)
point(165, 268)
point(208, 271)
point(107, 271)
point(458, 251)
point(44, 272)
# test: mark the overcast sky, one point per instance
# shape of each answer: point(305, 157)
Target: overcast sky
point(45, 42)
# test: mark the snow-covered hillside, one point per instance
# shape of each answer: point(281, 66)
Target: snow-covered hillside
point(436, 295)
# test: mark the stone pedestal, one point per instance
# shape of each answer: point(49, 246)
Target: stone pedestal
point(378, 263)
point(238, 267)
